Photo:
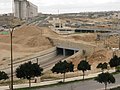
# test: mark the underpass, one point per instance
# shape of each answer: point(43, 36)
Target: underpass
point(46, 59)
point(66, 51)
point(71, 47)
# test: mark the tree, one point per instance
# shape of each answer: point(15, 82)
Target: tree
point(118, 68)
point(105, 78)
point(63, 68)
point(28, 71)
point(115, 61)
point(102, 66)
point(84, 66)
point(3, 75)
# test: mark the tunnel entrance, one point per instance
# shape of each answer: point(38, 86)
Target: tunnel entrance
point(65, 52)
point(69, 52)
point(59, 51)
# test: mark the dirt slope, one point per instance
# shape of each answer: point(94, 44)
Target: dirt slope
point(27, 40)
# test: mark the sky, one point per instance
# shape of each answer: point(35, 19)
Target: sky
point(66, 6)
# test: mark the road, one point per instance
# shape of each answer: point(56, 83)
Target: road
point(85, 85)
point(46, 64)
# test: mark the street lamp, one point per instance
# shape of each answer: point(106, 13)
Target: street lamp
point(11, 42)
point(11, 33)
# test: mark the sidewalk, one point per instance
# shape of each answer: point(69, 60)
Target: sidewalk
point(52, 82)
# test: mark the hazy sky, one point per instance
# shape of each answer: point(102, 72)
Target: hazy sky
point(66, 6)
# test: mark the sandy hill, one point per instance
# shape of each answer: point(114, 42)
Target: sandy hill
point(26, 40)
point(28, 35)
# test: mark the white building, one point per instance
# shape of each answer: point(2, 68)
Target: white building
point(58, 23)
point(24, 9)
point(116, 15)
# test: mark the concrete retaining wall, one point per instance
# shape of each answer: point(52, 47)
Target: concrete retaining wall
point(89, 48)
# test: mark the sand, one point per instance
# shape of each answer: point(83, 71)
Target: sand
point(26, 41)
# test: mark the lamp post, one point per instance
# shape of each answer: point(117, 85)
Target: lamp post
point(11, 34)
point(11, 42)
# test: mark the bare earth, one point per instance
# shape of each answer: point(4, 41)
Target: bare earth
point(26, 41)
point(32, 39)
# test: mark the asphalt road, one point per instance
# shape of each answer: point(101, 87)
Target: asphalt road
point(83, 85)
point(44, 64)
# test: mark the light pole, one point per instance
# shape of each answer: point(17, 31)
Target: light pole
point(11, 42)
point(11, 34)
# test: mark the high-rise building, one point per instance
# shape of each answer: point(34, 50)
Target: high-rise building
point(24, 9)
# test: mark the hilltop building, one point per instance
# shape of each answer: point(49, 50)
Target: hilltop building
point(24, 9)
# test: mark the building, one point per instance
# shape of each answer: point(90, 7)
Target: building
point(24, 9)
point(58, 23)
point(116, 15)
